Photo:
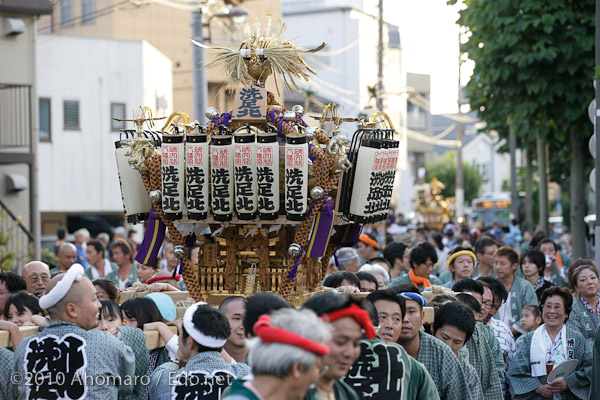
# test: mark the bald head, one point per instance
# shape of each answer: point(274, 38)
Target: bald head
point(37, 276)
point(67, 256)
point(79, 305)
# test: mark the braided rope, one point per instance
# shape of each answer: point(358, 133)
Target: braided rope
point(322, 169)
point(152, 181)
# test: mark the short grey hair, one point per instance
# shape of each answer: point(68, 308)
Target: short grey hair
point(346, 253)
point(84, 232)
point(277, 359)
point(375, 269)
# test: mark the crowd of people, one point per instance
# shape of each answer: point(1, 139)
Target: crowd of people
point(513, 318)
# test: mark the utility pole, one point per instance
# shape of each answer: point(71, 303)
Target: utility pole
point(200, 85)
point(512, 144)
point(380, 59)
point(460, 191)
point(597, 129)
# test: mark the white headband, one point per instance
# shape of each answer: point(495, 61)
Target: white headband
point(248, 52)
point(50, 299)
point(199, 337)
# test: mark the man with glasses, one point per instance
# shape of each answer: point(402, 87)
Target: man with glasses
point(492, 300)
point(37, 276)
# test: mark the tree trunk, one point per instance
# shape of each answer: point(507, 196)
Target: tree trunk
point(543, 192)
point(529, 221)
point(578, 205)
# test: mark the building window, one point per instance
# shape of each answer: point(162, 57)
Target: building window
point(117, 110)
point(87, 12)
point(66, 13)
point(44, 110)
point(71, 114)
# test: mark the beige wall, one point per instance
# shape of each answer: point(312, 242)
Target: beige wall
point(17, 66)
point(169, 30)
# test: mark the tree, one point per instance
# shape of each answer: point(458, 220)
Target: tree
point(534, 65)
point(444, 168)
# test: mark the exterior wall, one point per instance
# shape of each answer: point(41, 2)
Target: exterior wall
point(482, 152)
point(168, 29)
point(78, 172)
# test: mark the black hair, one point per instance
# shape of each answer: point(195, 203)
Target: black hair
point(483, 242)
point(372, 237)
point(61, 233)
point(440, 300)
point(468, 285)
point(469, 301)
point(366, 276)
point(547, 240)
point(143, 309)
point(108, 286)
point(97, 245)
point(259, 304)
point(404, 287)
point(13, 282)
point(375, 260)
point(457, 315)
point(388, 295)
point(393, 251)
point(211, 322)
point(437, 239)
point(497, 287)
point(535, 256)
point(335, 280)
point(535, 310)
point(23, 300)
point(110, 309)
point(536, 239)
point(421, 253)
point(225, 303)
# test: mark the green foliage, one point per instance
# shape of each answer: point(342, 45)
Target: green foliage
point(534, 66)
point(444, 168)
point(7, 256)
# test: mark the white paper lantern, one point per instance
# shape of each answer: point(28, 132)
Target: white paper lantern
point(267, 175)
point(197, 175)
point(172, 176)
point(244, 165)
point(221, 175)
point(136, 201)
point(296, 177)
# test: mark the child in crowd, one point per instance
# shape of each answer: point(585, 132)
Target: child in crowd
point(531, 319)
point(23, 309)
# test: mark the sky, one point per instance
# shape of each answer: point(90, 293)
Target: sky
point(429, 40)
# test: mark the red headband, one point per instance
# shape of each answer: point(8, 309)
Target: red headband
point(270, 334)
point(359, 315)
point(367, 240)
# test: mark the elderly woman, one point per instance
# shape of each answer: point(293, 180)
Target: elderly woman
point(286, 356)
point(461, 263)
point(547, 347)
point(586, 304)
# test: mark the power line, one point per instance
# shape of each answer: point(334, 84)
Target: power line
point(96, 14)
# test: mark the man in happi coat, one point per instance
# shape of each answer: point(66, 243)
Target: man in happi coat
point(383, 358)
point(7, 389)
point(201, 372)
point(69, 359)
point(520, 292)
point(439, 360)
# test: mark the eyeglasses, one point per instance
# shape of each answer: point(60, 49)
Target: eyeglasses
point(488, 304)
point(35, 279)
point(553, 307)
